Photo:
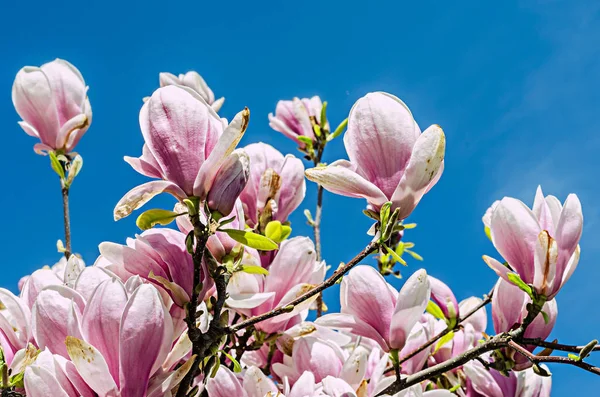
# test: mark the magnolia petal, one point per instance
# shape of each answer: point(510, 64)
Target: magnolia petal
point(40, 382)
point(140, 195)
point(92, 367)
point(341, 178)
point(410, 305)
point(224, 147)
point(354, 325)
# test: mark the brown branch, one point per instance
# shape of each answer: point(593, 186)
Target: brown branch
point(67, 220)
point(534, 359)
point(370, 248)
point(317, 220)
point(555, 346)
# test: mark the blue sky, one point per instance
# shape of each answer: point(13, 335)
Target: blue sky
point(514, 86)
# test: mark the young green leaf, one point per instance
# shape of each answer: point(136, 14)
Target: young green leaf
point(516, 280)
point(56, 165)
point(252, 269)
point(323, 120)
point(443, 340)
point(306, 140)
point(338, 131)
point(251, 240)
point(236, 365)
point(394, 255)
point(434, 310)
point(149, 219)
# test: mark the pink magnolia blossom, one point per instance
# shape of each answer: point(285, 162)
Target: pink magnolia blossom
point(390, 160)
point(160, 257)
point(372, 308)
point(293, 118)
point(52, 101)
point(124, 339)
point(482, 382)
point(194, 81)
point(15, 324)
point(293, 272)
point(540, 245)
point(509, 309)
point(188, 147)
point(276, 184)
point(53, 375)
point(253, 383)
point(443, 296)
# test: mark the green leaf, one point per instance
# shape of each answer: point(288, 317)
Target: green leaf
point(573, 356)
point(323, 120)
point(516, 280)
point(546, 317)
point(236, 365)
point(191, 206)
point(17, 380)
point(443, 340)
point(215, 368)
point(384, 213)
point(223, 222)
point(306, 140)
point(338, 131)
point(409, 225)
point(435, 310)
point(251, 240)
point(252, 269)
point(414, 255)
point(277, 232)
point(400, 248)
point(149, 219)
point(56, 165)
point(395, 255)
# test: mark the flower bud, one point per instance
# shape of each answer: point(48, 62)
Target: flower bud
point(229, 182)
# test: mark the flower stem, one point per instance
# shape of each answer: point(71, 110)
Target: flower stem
point(67, 220)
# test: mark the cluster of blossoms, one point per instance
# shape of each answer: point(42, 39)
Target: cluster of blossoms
point(222, 305)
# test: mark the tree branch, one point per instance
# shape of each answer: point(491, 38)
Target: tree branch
point(534, 359)
point(317, 221)
point(555, 346)
point(370, 248)
point(66, 219)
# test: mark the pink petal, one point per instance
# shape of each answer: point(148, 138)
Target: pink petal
point(341, 178)
point(225, 384)
point(380, 138)
point(508, 302)
point(140, 195)
point(145, 164)
point(568, 232)
point(101, 321)
point(422, 171)
point(39, 382)
point(515, 230)
point(141, 339)
point(354, 325)
point(257, 384)
point(229, 182)
point(410, 305)
point(318, 357)
point(92, 367)
point(542, 211)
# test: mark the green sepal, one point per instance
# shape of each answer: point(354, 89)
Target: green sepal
point(323, 120)
point(443, 340)
point(434, 310)
point(236, 365)
point(516, 280)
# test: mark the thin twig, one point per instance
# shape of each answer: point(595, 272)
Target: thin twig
point(67, 220)
point(534, 359)
point(317, 224)
point(370, 248)
point(556, 346)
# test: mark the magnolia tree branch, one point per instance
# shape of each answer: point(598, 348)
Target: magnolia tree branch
point(555, 345)
point(67, 220)
point(317, 225)
point(369, 249)
point(535, 359)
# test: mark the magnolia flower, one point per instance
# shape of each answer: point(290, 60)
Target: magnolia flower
point(390, 160)
point(159, 256)
point(53, 375)
point(323, 358)
point(124, 340)
point(293, 118)
point(540, 245)
point(443, 296)
point(253, 383)
point(15, 326)
point(372, 308)
point(194, 81)
point(294, 271)
point(276, 186)
point(189, 147)
point(482, 382)
point(52, 101)
point(509, 309)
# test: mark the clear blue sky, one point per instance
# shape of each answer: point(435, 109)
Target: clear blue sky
point(513, 84)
